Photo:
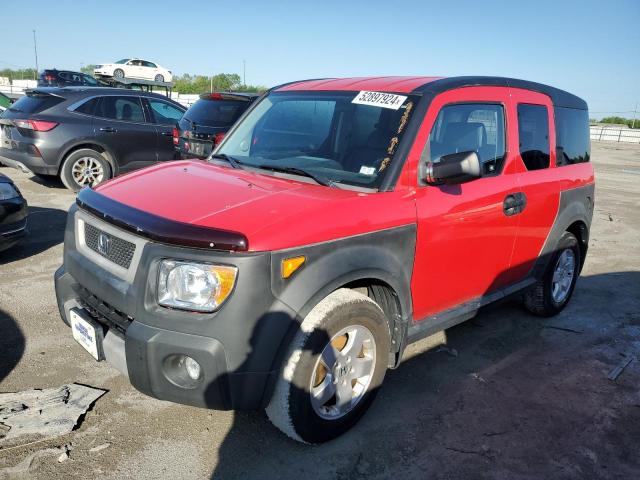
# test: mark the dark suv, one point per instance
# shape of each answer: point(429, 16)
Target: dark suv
point(66, 78)
point(88, 135)
point(205, 123)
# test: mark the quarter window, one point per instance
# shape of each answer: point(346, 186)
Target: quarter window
point(127, 109)
point(572, 136)
point(533, 131)
point(470, 127)
point(165, 113)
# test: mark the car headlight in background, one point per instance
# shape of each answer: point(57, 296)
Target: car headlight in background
point(8, 191)
point(200, 287)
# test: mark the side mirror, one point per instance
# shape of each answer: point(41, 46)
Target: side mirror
point(453, 169)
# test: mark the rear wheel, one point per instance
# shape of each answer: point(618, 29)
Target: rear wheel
point(159, 78)
point(333, 369)
point(118, 73)
point(554, 291)
point(84, 168)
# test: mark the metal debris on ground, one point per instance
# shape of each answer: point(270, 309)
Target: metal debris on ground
point(46, 413)
point(615, 373)
point(476, 376)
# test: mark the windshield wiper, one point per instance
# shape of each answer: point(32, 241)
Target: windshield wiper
point(299, 171)
point(234, 162)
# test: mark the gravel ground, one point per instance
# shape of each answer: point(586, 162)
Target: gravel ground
point(523, 399)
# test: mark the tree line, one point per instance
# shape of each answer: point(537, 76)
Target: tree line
point(631, 123)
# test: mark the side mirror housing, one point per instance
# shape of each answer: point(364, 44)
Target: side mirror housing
point(453, 169)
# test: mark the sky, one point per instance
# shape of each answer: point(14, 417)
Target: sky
point(590, 48)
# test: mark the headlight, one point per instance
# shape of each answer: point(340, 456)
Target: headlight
point(8, 191)
point(200, 287)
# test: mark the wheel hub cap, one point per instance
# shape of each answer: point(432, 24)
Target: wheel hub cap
point(87, 171)
point(563, 275)
point(343, 372)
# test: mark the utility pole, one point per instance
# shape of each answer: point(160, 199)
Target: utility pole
point(211, 82)
point(35, 49)
point(635, 111)
point(244, 72)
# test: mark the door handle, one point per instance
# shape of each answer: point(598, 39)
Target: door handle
point(108, 130)
point(514, 203)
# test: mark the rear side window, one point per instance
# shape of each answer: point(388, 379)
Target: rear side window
point(88, 107)
point(35, 103)
point(126, 109)
point(216, 113)
point(470, 127)
point(533, 131)
point(164, 112)
point(572, 136)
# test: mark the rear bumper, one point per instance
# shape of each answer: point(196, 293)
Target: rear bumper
point(26, 162)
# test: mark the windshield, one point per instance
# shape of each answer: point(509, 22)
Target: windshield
point(342, 137)
point(124, 60)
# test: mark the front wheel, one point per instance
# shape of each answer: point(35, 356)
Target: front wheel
point(84, 168)
point(333, 369)
point(550, 295)
point(118, 73)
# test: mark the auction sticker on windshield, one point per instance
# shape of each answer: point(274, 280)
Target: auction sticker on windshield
point(379, 99)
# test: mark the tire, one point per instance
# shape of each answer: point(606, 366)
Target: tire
point(118, 73)
point(71, 172)
point(159, 78)
point(550, 295)
point(338, 323)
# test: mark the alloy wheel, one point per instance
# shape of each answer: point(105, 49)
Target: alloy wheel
point(343, 372)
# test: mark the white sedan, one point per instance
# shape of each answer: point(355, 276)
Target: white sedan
point(134, 68)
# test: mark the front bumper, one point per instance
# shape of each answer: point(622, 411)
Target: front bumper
point(238, 347)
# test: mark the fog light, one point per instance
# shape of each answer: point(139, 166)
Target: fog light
point(192, 367)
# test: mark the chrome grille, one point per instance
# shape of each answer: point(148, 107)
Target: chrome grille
point(112, 248)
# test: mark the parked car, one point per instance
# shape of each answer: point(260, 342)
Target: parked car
point(66, 78)
point(338, 221)
point(134, 68)
point(203, 126)
point(88, 135)
point(13, 214)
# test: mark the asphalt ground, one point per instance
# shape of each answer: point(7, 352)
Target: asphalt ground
point(524, 398)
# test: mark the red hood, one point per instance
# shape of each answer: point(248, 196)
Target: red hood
point(273, 213)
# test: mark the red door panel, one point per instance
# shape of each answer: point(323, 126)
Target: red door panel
point(465, 240)
point(541, 188)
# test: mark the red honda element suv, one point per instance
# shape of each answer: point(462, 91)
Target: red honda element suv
point(337, 222)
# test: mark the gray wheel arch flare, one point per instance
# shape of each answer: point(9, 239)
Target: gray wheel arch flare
point(576, 205)
point(385, 256)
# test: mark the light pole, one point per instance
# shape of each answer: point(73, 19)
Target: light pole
point(35, 49)
point(635, 111)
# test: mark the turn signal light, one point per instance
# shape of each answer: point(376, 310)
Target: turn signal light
point(290, 265)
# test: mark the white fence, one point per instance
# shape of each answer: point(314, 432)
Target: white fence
point(605, 134)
